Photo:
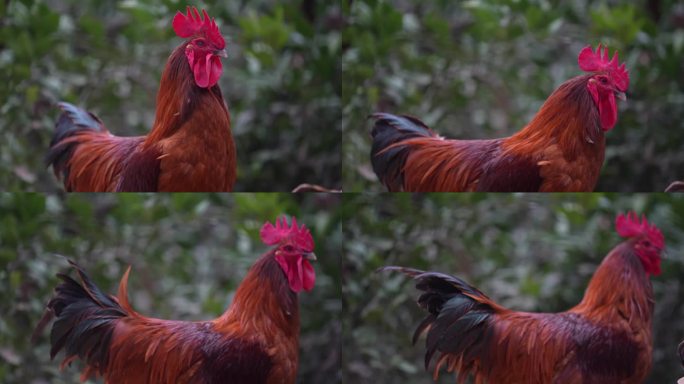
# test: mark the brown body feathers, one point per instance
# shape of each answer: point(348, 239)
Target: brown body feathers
point(606, 338)
point(190, 146)
point(561, 149)
point(254, 341)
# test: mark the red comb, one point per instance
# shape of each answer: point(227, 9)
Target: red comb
point(630, 226)
point(282, 232)
point(193, 24)
point(590, 61)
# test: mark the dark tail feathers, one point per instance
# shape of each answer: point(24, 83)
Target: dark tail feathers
point(85, 320)
point(72, 120)
point(458, 315)
point(390, 130)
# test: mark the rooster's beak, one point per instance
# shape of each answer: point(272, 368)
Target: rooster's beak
point(621, 96)
point(221, 53)
point(310, 256)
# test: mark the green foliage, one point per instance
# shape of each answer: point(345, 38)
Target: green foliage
point(188, 252)
point(481, 69)
point(528, 252)
point(621, 21)
point(281, 82)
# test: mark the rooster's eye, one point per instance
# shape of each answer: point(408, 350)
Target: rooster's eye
point(289, 248)
point(200, 43)
point(603, 80)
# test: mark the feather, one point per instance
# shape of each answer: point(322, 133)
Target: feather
point(190, 147)
point(561, 149)
point(606, 338)
point(253, 342)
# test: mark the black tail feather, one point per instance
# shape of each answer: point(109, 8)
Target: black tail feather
point(456, 323)
point(71, 120)
point(389, 129)
point(85, 320)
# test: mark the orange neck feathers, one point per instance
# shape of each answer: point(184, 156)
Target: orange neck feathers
point(263, 300)
point(568, 118)
point(619, 287)
point(178, 96)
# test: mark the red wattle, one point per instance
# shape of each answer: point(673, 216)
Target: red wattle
point(607, 111)
point(309, 275)
point(605, 102)
point(215, 70)
point(207, 71)
point(300, 274)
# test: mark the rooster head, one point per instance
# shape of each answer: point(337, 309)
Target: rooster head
point(648, 240)
point(608, 81)
point(203, 47)
point(294, 251)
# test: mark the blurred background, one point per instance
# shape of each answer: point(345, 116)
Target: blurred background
point(188, 252)
point(481, 69)
point(281, 81)
point(528, 252)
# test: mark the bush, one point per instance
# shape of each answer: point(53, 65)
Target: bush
point(527, 252)
point(482, 69)
point(188, 252)
point(281, 82)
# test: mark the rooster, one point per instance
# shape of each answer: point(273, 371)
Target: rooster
point(561, 149)
point(254, 341)
point(190, 146)
point(606, 338)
